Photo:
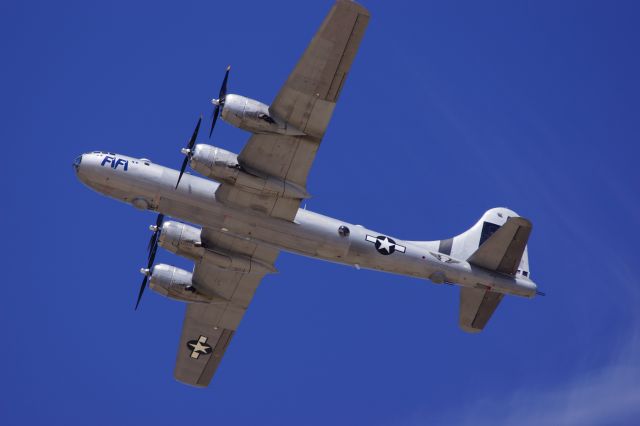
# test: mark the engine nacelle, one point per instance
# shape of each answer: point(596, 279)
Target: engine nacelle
point(253, 116)
point(185, 240)
point(175, 283)
point(181, 239)
point(223, 166)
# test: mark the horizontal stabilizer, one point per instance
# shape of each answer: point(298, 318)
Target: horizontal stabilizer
point(476, 307)
point(503, 250)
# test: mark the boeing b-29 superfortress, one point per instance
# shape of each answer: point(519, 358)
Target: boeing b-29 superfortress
point(247, 209)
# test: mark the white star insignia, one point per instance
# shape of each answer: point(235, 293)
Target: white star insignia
point(385, 244)
point(199, 347)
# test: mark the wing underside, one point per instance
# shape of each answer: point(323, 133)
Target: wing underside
point(208, 328)
point(305, 102)
point(202, 344)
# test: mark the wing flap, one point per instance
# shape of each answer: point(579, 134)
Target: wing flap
point(503, 250)
point(274, 206)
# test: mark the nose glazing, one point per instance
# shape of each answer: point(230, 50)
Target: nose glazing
point(76, 163)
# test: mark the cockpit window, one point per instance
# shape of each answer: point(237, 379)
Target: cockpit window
point(76, 162)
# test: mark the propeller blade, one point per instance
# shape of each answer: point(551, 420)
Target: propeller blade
point(221, 99)
point(194, 136)
point(153, 248)
point(159, 220)
point(223, 88)
point(151, 242)
point(188, 154)
point(152, 256)
point(214, 118)
point(142, 287)
point(184, 166)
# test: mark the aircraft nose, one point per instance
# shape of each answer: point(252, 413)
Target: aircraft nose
point(77, 162)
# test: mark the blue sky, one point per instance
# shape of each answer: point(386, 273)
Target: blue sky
point(451, 108)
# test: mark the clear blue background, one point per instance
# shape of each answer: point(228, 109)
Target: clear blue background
point(450, 109)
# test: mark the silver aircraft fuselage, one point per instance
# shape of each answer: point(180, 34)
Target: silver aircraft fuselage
point(150, 186)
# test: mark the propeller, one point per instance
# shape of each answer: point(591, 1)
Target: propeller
point(152, 248)
point(219, 103)
point(188, 151)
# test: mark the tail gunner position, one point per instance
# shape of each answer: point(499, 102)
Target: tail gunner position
point(247, 209)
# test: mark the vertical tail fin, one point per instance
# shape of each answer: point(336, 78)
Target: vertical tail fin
point(466, 245)
point(498, 242)
point(503, 251)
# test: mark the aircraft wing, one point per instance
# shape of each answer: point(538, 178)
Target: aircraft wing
point(305, 102)
point(209, 327)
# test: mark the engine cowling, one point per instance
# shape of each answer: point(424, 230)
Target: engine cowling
point(223, 166)
point(175, 283)
point(254, 116)
point(181, 239)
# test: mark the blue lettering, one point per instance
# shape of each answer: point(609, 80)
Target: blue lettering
point(125, 164)
point(114, 163)
point(108, 160)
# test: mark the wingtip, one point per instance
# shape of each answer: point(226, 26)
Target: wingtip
point(357, 5)
point(469, 329)
point(186, 381)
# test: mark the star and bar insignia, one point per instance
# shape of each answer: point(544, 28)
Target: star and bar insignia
point(385, 245)
point(199, 347)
